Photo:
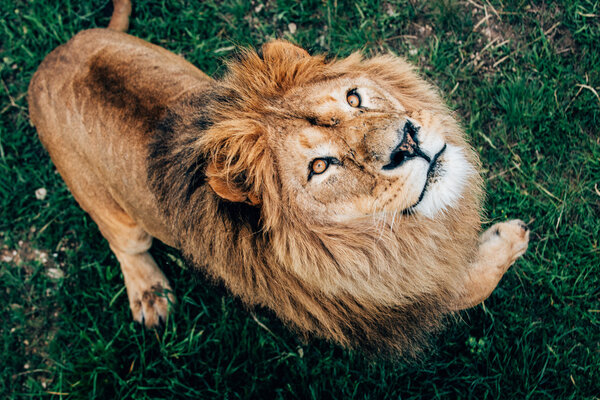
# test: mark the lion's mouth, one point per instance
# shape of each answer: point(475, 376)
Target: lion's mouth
point(434, 172)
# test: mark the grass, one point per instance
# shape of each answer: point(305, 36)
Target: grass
point(522, 76)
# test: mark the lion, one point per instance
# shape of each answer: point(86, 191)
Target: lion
point(339, 193)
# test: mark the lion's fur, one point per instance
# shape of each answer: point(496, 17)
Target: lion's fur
point(358, 283)
point(194, 163)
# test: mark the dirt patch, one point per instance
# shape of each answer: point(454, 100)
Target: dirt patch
point(23, 253)
point(497, 38)
point(549, 16)
point(33, 277)
point(499, 41)
point(419, 33)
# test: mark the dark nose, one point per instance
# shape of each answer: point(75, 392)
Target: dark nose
point(408, 147)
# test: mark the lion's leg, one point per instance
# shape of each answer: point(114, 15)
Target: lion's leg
point(499, 248)
point(148, 289)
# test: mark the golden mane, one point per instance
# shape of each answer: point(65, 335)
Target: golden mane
point(359, 283)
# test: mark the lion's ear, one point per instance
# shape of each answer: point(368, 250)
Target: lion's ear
point(236, 160)
point(278, 49)
point(228, 189)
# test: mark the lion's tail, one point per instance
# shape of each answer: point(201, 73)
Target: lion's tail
point(120, 18)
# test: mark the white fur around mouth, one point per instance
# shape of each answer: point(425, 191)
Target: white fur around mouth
point(447, 185)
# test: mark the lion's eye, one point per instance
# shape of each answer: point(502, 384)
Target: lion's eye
point(353, 98)
point(319, 166)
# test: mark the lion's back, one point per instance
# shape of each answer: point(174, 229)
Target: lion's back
point(95, 102)
point(100, 71)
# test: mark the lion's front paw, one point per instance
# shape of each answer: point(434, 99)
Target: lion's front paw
point(150, 303)
point(148, 288)
point(504, 242)
point(499, 247)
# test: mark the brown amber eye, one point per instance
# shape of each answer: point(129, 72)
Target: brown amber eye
point(353, 99)
point(319, 166)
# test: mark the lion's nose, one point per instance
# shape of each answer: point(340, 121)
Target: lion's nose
point(408, 147)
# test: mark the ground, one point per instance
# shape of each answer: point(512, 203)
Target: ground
point(523, 78)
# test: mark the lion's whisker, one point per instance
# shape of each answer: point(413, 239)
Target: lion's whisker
point(393, 219)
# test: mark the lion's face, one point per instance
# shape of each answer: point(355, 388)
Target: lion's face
point(357, 149)
point(337, 141)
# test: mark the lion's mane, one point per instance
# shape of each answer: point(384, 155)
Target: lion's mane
point(361, 283)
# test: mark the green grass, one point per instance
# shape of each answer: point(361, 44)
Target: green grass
point(524, 82)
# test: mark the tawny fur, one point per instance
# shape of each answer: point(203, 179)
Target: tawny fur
point(152, 147)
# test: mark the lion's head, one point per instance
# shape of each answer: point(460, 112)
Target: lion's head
point(339, 193)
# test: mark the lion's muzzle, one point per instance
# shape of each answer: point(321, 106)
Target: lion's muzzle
point(407, 148)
